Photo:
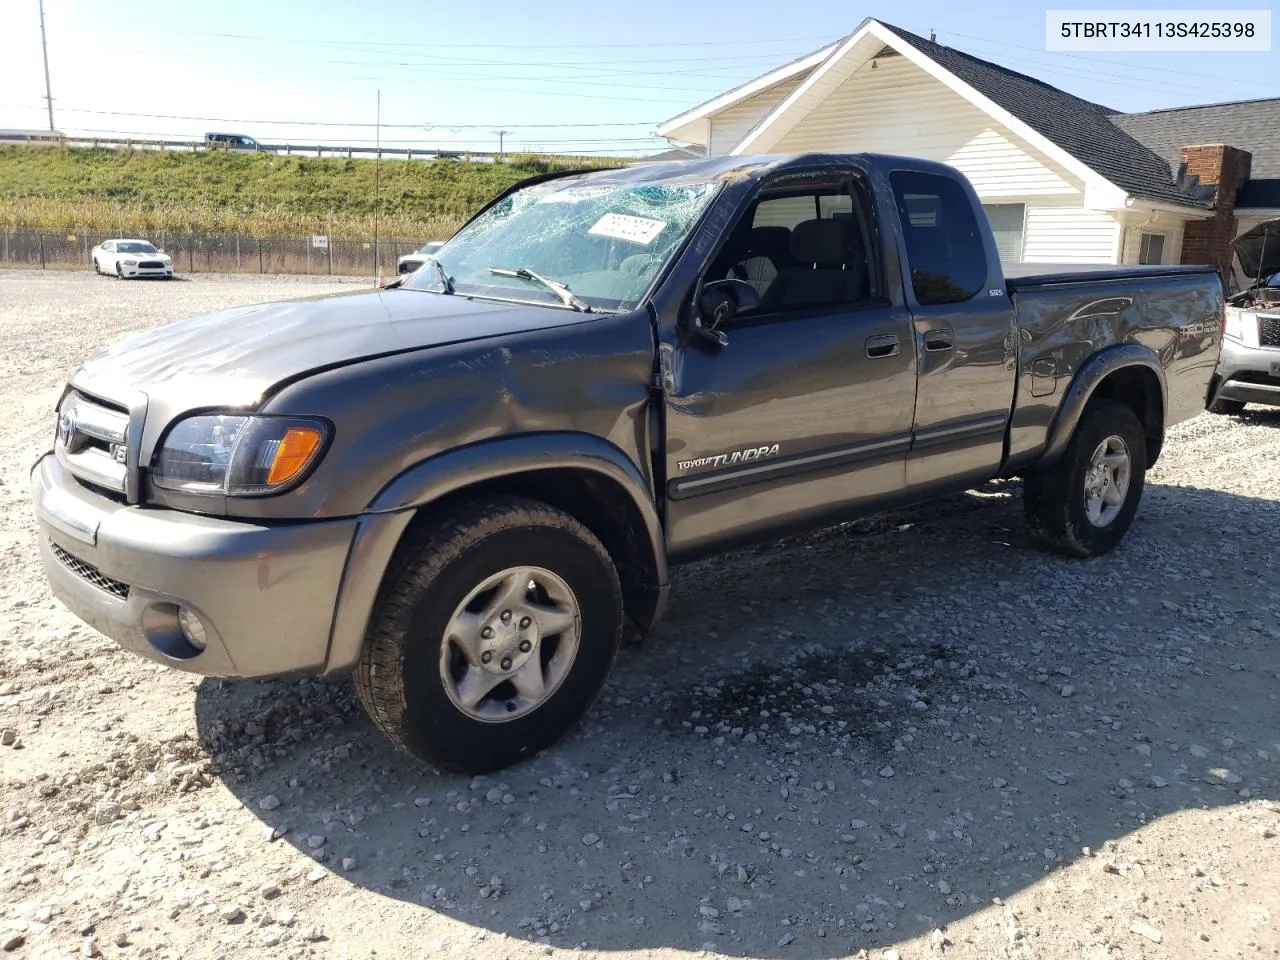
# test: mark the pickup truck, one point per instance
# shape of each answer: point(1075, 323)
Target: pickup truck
point(457, 487)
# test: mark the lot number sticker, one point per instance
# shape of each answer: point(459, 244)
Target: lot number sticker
point(639, 230)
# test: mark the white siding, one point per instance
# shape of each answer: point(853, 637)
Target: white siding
point(898, 108)
point(1068, 233)
point(730, 126)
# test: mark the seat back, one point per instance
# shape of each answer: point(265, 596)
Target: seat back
point(831, 267)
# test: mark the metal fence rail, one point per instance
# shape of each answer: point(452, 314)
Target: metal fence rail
point(309, 149)
point(216, 253)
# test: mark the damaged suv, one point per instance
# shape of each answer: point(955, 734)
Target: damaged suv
point(1249, 371)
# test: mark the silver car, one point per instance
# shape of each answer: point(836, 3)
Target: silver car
point(1249, 369)
point(412, 261)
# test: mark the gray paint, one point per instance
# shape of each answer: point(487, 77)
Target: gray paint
point(429, 394)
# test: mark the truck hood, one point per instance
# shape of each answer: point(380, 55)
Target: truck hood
point(234, 357)
point(1258, 250)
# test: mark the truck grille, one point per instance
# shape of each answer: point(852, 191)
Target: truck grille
point(89, 573)
point(1269, 331)
point(91, 441)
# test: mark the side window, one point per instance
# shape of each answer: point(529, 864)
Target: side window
point(943, 239)
point(801, 248)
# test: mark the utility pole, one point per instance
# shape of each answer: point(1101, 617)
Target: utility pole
point(377, 189)
point(44, 47)
point(501, 137)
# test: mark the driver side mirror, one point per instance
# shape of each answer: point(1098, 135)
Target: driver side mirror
point(719, 302)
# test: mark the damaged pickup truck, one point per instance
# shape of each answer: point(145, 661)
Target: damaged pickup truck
point(458, 487)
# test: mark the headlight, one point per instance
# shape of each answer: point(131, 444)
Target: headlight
point(1234, 325)
point(238, 455)
point(130, 263)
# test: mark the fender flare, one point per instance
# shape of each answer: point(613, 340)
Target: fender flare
point(1091, 373)
point(384, 521)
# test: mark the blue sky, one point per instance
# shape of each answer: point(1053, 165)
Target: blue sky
point(574, 76)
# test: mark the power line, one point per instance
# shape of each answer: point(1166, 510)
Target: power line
point(342, 123)
point(504, 46)
point(1113, 63)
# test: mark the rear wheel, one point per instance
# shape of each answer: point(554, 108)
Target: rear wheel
point(1084, 504)
point(1225, 407)
point(492, 637)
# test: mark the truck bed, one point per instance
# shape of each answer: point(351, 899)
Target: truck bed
point(1065, 313)
point(1020, 276)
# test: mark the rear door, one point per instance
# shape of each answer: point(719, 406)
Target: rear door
point(964, 333)
point(807, 410)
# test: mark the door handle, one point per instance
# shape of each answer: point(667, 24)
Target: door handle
point(936, 340)
point(885, 345)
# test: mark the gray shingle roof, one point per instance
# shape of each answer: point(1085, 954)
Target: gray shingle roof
point(1088, 131)
point(1252, 125)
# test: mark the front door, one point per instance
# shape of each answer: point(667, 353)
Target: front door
point(807, 410)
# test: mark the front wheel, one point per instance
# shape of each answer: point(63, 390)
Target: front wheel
point(1084, 504)
point(493, 635)
point(119, 272)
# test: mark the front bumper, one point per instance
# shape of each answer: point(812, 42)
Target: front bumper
point(132, 272)
point(266, 593)
point(1248, 374)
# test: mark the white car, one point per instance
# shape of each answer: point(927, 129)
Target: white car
point(131, 258)
point(412, 261)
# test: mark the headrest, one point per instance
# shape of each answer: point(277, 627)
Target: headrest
point(824, 242)
point(771, 242)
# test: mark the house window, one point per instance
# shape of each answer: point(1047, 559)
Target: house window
point(1007, 221)
point(1152, 248)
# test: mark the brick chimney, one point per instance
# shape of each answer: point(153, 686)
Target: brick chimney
point(1226, 169)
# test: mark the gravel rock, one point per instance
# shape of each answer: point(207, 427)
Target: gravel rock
point(269, 802)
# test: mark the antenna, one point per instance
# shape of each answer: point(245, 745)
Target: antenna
point(44, 48)
point(377, 188)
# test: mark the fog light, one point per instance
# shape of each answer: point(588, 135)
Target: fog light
point(192, 628)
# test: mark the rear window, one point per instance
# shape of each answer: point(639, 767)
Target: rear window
point(943, 240)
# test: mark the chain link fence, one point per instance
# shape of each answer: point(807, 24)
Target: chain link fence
point(217, 253)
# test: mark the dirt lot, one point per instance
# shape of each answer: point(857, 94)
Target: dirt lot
point(913, 736)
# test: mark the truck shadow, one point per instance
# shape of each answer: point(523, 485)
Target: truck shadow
point(837, 742)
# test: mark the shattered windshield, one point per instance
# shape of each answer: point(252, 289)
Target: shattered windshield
point(604, 242)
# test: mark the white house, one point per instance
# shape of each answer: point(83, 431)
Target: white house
point(1063, 180)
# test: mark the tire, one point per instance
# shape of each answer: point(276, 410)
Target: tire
point(96, 268)
point(119, 272)
point(411, 677)
point(1057, 502)
point(1225, 407)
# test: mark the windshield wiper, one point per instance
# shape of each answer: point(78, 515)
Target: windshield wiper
point(561, 290)
point(446, 281)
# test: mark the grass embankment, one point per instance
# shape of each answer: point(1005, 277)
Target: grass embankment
point(145, 191)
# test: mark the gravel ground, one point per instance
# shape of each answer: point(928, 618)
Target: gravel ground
point(916, 735)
